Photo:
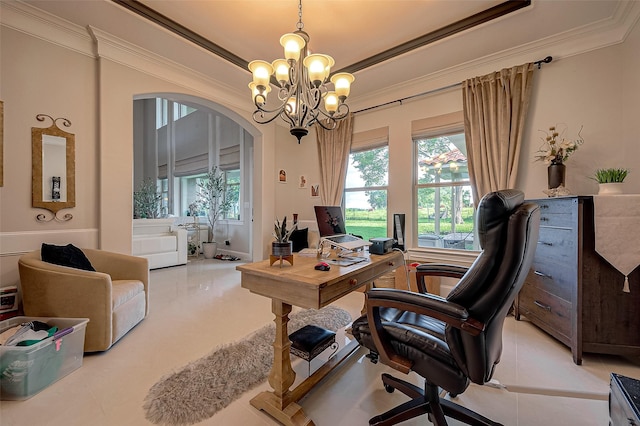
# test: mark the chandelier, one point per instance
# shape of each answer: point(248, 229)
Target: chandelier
point(302, 79)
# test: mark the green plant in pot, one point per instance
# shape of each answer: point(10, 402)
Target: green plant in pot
point(211, 197)
point(610, 180)
point(146, 200)
point(282, 246)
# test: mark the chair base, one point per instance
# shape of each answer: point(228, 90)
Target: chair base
point(428, 402)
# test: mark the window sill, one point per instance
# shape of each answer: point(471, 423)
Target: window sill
point(448, 256)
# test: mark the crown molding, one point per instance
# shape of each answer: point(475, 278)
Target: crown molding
point(604, 33)
point(132, 56)
point(37, 23)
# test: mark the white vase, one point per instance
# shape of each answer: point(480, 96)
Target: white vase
point(209, 250)
point(610, 188)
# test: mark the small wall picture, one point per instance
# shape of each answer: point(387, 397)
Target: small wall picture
point(282, 176)
point(315, 190)
point(302, 182)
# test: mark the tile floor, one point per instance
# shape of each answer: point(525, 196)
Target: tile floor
point(197, 307)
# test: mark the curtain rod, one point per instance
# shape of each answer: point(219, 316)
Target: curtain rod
point(440, 89)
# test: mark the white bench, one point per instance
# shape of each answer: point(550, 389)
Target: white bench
point(160, 241)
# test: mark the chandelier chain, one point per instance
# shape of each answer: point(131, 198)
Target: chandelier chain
point(300, 25)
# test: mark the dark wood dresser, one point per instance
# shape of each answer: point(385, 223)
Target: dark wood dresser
point(624, 401)
point(571, 292)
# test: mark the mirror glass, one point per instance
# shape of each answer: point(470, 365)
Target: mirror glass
point(53, 169)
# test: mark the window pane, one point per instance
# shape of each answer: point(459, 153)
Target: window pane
point(441, 160)
point(445, 217)
point(361, 219)
point(232, 179)
point(189, 191)
point(366, 193)
point(163, 187)
point(368, 168)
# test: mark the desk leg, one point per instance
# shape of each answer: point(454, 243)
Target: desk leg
point(279, 403)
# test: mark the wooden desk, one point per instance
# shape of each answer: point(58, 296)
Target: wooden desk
point(301, 285)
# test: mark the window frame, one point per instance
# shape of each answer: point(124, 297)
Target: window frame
point(364, 148)
point(466, 256)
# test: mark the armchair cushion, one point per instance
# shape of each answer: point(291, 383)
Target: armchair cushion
point(68, 255)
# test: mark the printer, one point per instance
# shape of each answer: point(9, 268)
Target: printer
point(380, 245)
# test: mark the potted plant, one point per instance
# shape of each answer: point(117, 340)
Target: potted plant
point(282, 247)
point(610, 180)
point(146, 200)
point(212, 198)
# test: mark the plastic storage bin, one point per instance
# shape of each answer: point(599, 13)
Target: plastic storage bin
point(26, 370)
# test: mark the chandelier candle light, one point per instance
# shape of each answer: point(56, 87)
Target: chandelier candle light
point(302, 80)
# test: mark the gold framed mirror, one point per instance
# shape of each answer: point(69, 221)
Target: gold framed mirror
point(53, 169)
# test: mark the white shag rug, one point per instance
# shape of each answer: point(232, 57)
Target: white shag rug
point(203, 387)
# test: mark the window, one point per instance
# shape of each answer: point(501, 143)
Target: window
point(162, 111)
point(445, 212)
point(189, 190)
point(232, 193)
point(365, 195)
point(163, 187)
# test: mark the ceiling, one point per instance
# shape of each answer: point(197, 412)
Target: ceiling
point(351, 31)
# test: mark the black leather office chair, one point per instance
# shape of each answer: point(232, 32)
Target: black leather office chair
point(454, 341)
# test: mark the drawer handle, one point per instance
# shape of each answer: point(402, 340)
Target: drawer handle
point(540, 274)
point(544, 243)
point(544, 219)
point(542, 305)
point(544, 206)
point(353, 281)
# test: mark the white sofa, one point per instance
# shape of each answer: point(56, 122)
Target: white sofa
point(160, 241)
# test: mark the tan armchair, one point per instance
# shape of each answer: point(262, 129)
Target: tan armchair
point(115, 298)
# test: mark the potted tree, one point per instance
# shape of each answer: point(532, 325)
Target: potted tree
point(610, 180)
point(146, 200)
point(212, 198)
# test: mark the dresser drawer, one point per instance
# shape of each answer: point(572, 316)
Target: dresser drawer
point(557, 205)
point(553, 279)
point(557, 245)
point(543, 307)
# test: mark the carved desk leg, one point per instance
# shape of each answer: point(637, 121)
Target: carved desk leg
point(279, 403)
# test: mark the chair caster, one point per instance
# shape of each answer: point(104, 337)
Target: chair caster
point(389, 388)
point(373, 357)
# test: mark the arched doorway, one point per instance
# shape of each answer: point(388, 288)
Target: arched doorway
point(178, 138)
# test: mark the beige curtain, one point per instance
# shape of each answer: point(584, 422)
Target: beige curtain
point(333, 151)
point(495, 108)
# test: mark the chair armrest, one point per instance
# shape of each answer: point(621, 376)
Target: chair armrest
point(46, 290)
point(437, 270)
point(422, 304)
point(120, 266)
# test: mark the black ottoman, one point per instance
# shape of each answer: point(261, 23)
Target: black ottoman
point(310, 341)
